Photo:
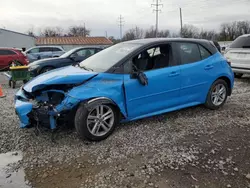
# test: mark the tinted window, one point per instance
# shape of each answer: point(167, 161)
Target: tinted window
point(34, 50)
point(56, 49)
point(204, 52)
point(241, 42)
point(189, 52)
point(45, 49)
point(7, 52)
point(85, 52)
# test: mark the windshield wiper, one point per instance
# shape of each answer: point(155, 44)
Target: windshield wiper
point(86, 68)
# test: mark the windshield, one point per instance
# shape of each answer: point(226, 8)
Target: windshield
point(107, 58)
point(68, 53)
point(241, 42)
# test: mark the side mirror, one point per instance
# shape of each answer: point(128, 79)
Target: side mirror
point(141, 76)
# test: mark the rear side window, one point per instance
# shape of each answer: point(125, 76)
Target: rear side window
point(241, 42)
point(189, 52)
point(56, 49)
point(204, 52)
point(7, 52)
point(45, 49)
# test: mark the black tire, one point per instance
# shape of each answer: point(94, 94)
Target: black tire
point(238, 75)
point(12, 84)
point(209, 104)
point(25, 81)
point(81, 122)
point(46, 69)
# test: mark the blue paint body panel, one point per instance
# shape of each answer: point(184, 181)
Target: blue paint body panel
point(168, 89)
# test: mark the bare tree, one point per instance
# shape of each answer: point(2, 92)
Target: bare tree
point(190, 31)
point(134, 33)
point(150, 33)
point(78, 31)
point(52, 32)
point(30, 32)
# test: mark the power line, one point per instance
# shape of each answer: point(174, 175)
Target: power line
point(121, 24)
point(156, 10)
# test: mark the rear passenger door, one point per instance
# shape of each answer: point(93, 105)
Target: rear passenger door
point(197, 70)
point(45, 52)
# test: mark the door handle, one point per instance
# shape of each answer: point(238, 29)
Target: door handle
point(208, 67)
point(173, 74)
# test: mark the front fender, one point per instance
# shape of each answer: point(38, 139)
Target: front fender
point(114, 93)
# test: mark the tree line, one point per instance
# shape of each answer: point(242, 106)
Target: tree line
point(73, 31)
point(227, 32)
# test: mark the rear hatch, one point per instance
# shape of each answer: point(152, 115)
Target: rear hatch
point(239, 52)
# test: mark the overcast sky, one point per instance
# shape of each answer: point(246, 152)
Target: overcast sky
point(102, 15)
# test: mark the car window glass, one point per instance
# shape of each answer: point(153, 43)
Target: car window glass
point(204, 52)
point(34, 50)
point(85, 52)
point(241, 42)
point(56, 49)
point(154, 58)
point(7, 52)
point(189, 52)
point(45, 49)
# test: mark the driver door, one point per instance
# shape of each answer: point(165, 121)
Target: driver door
point(162, 91)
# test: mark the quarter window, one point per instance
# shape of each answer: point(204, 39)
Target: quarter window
point(204, 52)
point(189, 52)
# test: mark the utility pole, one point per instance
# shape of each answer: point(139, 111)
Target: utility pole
point(156, 10)
point(121, 24)
point(181, 20)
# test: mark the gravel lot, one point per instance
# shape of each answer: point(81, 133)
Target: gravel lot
point(195, 147)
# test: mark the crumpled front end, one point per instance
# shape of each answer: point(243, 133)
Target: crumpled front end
point(45, 108)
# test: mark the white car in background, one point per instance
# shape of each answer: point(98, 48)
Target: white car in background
point(238, 53)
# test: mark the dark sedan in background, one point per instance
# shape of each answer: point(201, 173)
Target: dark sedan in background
point(71, 57)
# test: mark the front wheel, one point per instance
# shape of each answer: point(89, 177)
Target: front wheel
point(96, 122)
point(217, 95)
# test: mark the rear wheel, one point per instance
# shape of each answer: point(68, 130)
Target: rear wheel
point(238, 75)
point(96, 122)
point(217, 95)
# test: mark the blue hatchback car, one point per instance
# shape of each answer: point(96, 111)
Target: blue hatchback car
point(125, 82)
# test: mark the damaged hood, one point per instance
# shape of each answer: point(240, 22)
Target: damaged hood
point(66, 75)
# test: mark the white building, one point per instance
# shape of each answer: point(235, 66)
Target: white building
point(73, 42)
point(14, 39)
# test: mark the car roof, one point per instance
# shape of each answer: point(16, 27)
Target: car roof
point(6, 48)
point(153, 40)
point(47, 46)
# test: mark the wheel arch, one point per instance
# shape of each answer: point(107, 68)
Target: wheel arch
point(228, 81)
point(103, 100)
point(46, 66)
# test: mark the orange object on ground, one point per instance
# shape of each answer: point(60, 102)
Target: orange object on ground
point(1, 92)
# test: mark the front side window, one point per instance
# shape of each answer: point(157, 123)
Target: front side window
point(85, 52)
point(157, 57)
point(34, 50)
point(189, 52)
